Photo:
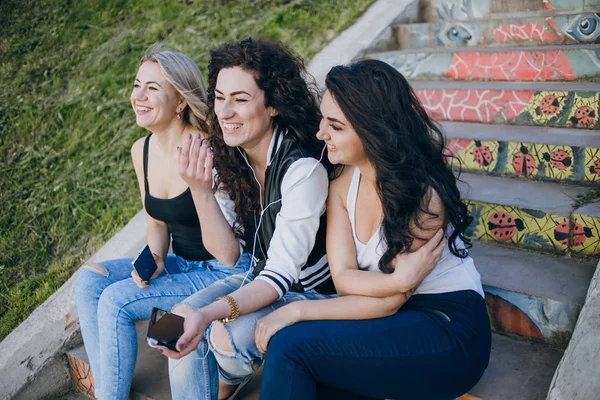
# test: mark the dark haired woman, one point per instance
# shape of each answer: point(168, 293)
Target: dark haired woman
point(263, 118)
point(431, 338)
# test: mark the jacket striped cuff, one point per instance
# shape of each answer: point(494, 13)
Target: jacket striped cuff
point(279, 282)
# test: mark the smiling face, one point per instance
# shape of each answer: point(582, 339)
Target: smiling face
point(241, 111)
point(155, 101)
point(343, 144)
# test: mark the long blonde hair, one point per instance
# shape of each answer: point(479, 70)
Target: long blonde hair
point(184, 75)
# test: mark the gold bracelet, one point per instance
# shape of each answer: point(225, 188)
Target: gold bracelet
point(234, 311)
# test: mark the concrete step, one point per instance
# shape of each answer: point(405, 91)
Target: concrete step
point(543, 29)
point(540, 63)
point(443, 10)
point(518, 370)
point(532, 295)
point(528, 134)
point(150, 377)
point(75, 395)
point(531, 214)
point(525, 158)
point(549, 104)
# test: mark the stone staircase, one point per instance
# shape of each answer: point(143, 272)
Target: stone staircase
point(514, 87)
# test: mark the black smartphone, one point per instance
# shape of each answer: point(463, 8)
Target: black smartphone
point(144, 264)
point(164, 329)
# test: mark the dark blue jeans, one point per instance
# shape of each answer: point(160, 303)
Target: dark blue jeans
point(435, 347)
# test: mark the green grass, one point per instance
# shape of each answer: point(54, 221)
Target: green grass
point(66, 69)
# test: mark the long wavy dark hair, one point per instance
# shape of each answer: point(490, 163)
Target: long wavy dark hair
point(288, 89)
point(406, 149)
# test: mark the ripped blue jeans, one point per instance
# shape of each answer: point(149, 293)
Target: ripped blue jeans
point(197, 376)
point(109, 303)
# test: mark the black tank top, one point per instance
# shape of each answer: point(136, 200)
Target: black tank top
point(179, 213)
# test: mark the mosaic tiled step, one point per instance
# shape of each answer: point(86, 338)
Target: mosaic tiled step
point(586, 225)
point(545, 63)
point(527, 160)
point(516, 31)
point(550, 104)
point(532, 295)
point(468, 10)
point(529, 134)
point(517, 370)
point(496, 149)
point(529, 214)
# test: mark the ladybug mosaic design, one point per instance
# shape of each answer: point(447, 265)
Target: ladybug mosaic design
point(482, 154)
point(585, 116)
point(595, 169)
point(548, 106)
point(503, 226)
point(580, 234)
point(523, 163)
point(559, 159)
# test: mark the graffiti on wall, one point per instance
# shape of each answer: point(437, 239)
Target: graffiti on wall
point(573, 109)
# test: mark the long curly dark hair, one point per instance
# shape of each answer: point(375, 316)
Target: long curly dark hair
point(288, 89)
point(406, 149)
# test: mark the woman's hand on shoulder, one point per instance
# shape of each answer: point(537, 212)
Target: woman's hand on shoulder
point(411, 268)
point(196, 163)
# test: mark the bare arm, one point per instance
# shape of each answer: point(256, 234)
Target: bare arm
point(157, 233)
point(341, 251)
point(251, 297)
point(195, 168)
point(338, 308)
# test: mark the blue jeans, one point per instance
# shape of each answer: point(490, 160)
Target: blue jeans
point(435, 347)
point(109, 304)
point(197, 376)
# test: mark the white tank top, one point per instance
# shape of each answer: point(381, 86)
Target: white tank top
point(450, 274)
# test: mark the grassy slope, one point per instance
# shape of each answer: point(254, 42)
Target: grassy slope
point(66, 69)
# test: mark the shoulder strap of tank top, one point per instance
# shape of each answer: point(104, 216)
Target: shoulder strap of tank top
point(146, 145)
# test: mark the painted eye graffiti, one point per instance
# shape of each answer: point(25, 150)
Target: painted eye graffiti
point(585, 116)
point(523, 163)
point(585, 28)
point(503, 226)
point(595, 169)
point(548, 106)
point(559, 159)
point(482, 154)
point(456, 34)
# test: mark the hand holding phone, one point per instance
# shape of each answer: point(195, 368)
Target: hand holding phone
point(164, 329)
point(144, 264)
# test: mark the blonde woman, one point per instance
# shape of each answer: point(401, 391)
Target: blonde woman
point(168, 98)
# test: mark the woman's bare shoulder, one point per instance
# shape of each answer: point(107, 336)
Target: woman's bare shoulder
point(137, 150)
point(339, 186)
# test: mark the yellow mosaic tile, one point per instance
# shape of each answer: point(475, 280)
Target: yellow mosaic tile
point(521, 161)
point(556, 161)
point(592, 165)
point(521, 227)
point(586, 235)
point(479, 155)
point(547, 107)
point(583, 113)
